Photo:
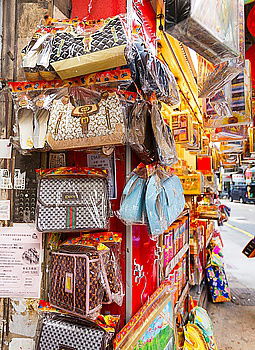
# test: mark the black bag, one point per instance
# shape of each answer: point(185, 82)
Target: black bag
point(59, 332)
point(140, 134)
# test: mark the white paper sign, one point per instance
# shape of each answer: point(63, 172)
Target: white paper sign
point(5, 209)
point(5, 149)
point(21, 344)
point(108, 163)
point(20, 262)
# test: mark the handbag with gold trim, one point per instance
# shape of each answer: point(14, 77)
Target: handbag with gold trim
point(90, 125)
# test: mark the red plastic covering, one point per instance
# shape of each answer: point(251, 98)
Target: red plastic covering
point(94, 9)
point(251, 21)
point(250, 55)
point(204, 163)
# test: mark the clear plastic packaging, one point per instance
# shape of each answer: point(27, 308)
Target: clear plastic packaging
point(72, 199)
point(32, 112)
point(132, 207)
point(89, 47)
point(140, 135)
point(209, 28)
point(151, 75)
point(164, 202)
point(68, 118)
point(211, 78)
point(163, 136)
point(153, 193)
point(87, 124)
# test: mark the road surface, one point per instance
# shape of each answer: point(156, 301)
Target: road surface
point(234, 324)
point(236, 234)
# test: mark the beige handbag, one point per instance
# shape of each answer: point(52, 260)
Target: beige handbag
point(94, 125)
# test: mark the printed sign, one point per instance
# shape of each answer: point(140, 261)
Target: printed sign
point(108, 163)
point(5, 209)
point(20, 262)
point(5, 149)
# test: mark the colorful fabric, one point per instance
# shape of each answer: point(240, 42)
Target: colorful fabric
point(194, 339)
point(200, 318)
point(218, 284)
point(72, 171)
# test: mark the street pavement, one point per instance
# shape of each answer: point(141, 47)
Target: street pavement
point(234, 325)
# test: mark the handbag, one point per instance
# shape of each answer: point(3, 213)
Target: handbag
point(68, 333)
point(72, 203)
point(90, 125)
point(92, 51)
point(77, 282)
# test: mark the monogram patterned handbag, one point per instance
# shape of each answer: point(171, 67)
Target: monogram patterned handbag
point(72, 203)
point(78, 282)
point(91, 125)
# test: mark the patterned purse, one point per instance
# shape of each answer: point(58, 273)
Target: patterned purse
point(57, 332)
point(92, 125)
point(92, 51)
point(72, 203)
point(78, 282)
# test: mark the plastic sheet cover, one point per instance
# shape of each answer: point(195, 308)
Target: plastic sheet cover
point(209, 28)
point(67, 117)
point(212, 78)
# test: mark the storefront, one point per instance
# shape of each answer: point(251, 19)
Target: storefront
point(111, 201)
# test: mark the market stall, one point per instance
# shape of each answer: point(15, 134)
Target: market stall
point(115, 180)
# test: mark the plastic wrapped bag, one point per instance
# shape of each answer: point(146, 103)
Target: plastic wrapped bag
point(153, 193)
point(113, 285)
point(89, 47)
point(58, 331)
point(72, 199)
point(209, 28)
point(140, 135)
point(87, 125)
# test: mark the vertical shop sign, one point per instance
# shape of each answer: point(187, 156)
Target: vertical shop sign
point(20, 262)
